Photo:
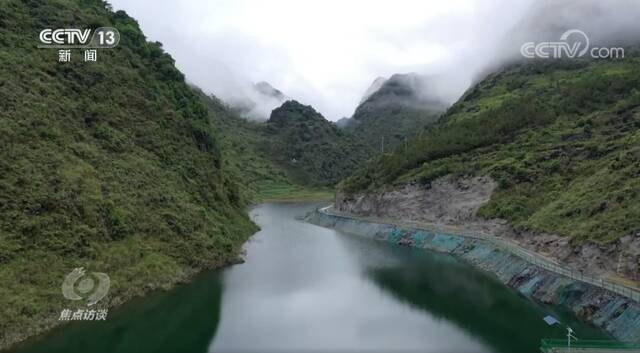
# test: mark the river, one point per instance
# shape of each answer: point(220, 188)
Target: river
point(304, 287)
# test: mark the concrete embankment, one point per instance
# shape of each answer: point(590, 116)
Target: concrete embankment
point(614, 313)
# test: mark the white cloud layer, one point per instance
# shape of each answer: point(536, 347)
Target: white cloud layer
point(326, 53)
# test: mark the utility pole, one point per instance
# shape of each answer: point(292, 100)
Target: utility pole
point(619, 267)
point(570, 336)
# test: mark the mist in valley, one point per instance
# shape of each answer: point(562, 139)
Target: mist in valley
point(328, 54)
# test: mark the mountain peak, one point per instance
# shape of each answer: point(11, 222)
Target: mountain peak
point(373, 88)
point(411, 86)
point(396, 108)
point(293, 111)
point(256, 101)
point(268, 90)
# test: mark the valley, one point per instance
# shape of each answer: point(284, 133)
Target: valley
point(206, 213)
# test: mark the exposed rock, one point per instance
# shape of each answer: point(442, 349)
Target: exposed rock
point(455, 201)
point(446, 201)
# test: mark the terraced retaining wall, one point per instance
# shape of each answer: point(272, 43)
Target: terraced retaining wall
point(615, 314)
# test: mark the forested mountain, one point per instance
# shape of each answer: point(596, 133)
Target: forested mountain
point(396, 109)
point(560, 138)
point(247, 153)
point(314, 150)
point(110, 165)
point(255, 101)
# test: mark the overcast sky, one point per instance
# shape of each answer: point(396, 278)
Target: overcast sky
point(324, 53)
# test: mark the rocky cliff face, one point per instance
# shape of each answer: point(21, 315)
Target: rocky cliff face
point(445, 200)
point(456, 201)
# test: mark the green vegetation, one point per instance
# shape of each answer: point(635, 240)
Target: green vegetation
point(110, 165)
point(241, 140)
point(561, 138)
point(395, 112)
point(120, 167)
point(313, 150)
point(291, 193)
point(246, 152)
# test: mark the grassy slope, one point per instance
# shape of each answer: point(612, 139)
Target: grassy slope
point(244, 152)
point(110, 165)
point(313, 150)
point(395, 112)
point(394, 122)
point(561, 138)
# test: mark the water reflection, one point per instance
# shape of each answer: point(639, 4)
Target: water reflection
point(307, 288)
point(181, 320)
point(302, 288)
point(474, 301)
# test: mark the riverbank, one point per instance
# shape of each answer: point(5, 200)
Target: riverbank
point(293, 193)
point(616, 314)
point(136, 267)
point(286, 296)
point(461, 202)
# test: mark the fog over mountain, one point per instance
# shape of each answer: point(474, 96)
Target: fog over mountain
point(375, 86)
point(327, 53)
point(606, 23)
point(255, 101)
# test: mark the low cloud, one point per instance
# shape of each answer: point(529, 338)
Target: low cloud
point(327, 53)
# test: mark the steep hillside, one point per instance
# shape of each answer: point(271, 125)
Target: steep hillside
point(245, 155)
point(312, 149)
point(110, 165)
point(395, 109)
point(560, 139)
point(266, 89)
point(343, 122)
point(373, 88)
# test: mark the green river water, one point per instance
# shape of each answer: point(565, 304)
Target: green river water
point(307, 288)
